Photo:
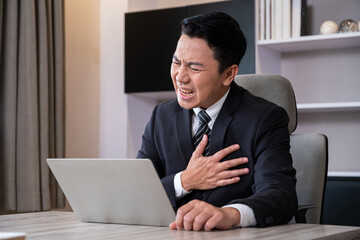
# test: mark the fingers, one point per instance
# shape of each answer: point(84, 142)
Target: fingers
point(179, 220)
point(224, 166)
point(229, 181)
point(192, 220)
point(228, 177)
point(233, 173)
point(201, 147)
point(172, 225)
point(226, 151)
point(193, 216)
point(213, 221)
point(198, 215)
point(200, 220)
point(217, 156)
point(232, 163)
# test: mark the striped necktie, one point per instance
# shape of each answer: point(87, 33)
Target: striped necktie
point(204, 119)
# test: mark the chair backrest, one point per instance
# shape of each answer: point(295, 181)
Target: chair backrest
point(273, 88)
point(309, 151)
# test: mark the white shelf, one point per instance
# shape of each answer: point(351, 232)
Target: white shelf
point(327, 107)
point(313, 42)
point(343, 174)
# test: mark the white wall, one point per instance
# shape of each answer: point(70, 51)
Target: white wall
point(113, 101)
point(82, 78)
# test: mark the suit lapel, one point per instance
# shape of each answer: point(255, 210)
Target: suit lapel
point(183, 134)
point(224, 119)
point(222, 123)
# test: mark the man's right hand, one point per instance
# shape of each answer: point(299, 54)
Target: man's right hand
point(204, 173)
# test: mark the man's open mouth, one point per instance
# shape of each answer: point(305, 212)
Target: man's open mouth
point(186, 92)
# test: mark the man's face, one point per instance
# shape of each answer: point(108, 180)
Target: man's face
point(195, 75)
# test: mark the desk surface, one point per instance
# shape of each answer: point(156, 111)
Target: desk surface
point(65, 225)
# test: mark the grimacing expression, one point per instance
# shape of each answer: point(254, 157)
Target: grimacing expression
point(194, 72)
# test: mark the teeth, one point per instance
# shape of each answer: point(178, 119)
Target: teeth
point(186, 92)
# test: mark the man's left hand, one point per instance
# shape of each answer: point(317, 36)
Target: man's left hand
point(198, 215)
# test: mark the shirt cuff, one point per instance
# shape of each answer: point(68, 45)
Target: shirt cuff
point(247, 216)
point(179, 190)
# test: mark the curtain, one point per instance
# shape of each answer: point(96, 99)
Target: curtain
point(32, 103)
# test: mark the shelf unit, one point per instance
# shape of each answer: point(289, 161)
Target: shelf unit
point(328, 107)
point(343, 174)
point(325, 73)
point(314, 42)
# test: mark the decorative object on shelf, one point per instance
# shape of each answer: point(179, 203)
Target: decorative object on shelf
point(359, 26)
point(329, 27)
point(348, 25)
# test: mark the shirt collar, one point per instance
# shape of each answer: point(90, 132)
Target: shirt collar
point(214, 109)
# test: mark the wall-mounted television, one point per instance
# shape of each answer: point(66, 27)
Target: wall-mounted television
point(151, 38)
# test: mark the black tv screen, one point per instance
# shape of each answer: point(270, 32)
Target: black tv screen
point(151, 38)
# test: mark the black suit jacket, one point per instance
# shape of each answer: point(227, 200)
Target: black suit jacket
point(261, 130)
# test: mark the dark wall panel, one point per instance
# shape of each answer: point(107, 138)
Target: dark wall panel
point(342, 201)
point(151, 38)
point(243, 12)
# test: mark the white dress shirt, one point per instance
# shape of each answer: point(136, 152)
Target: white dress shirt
point(247, 214)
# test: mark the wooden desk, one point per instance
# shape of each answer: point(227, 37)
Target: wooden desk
point(64, 225)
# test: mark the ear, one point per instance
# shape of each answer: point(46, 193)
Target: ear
point(229, 74)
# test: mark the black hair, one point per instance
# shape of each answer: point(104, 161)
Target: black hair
point(221, 32)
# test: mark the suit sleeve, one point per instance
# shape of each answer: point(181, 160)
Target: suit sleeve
point(149, 150)
point(274, 200)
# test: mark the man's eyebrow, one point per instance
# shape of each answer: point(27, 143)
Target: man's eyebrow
point(188, 63)
point(195, 63)
point(175, 58)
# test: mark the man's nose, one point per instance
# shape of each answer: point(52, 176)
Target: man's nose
point(182, 74)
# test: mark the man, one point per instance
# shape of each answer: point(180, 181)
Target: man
point(239, 172)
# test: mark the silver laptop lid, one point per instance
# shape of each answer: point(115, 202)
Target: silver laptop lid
point(126, 191)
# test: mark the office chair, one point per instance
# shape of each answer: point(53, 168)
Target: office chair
point(309, 151)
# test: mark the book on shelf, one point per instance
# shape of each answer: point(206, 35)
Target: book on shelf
point(286, 14)
point(272, 19)
point(281, 19)
point(262, 20)
point(296, 18)
point(278, 6)
point(267, 19)
point(303, 28)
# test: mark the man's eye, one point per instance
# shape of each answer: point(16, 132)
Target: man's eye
point(176, 62)
point(195, 70)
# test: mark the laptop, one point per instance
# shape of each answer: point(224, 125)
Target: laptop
point(124, 191)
